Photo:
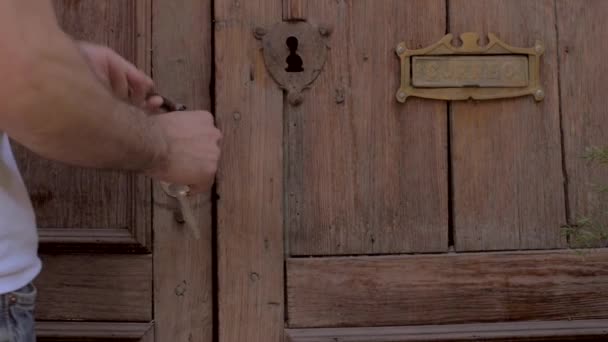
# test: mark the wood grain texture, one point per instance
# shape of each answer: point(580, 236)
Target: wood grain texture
point(584, 330)
point(183, 275)
point(506, 154)
point(250, 179)
point(294, 9)
point(582, 27)
point(367, 175)
point(92, 331)
point(446, 289)
point(95, 288)
point(68, 197)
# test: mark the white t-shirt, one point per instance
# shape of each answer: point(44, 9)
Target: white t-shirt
point(19, 262)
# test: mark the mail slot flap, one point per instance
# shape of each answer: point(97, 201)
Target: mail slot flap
point(470, 71)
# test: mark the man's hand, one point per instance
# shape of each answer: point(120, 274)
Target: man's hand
point(191, 137)
point(57, 107)
point(126, 81)
point(192, 149)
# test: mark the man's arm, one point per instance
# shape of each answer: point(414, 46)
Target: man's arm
point(52, 103)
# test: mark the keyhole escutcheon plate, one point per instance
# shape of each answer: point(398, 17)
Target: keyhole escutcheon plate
point(294, 54)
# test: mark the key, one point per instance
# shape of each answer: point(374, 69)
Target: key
point(180, 192)
point(177, 191)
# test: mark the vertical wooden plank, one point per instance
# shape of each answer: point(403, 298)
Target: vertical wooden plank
point(293, 10)
point(368, 175)
point(250, 180)
point(183, 309)
point(582, 28)
point(506, 154)
point(142, 208)
point(98, 202)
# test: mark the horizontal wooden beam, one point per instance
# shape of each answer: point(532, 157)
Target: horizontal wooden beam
point(92, 330)
point(584, 330)
point(86, 235)
point(447, 288)
point(98, 240)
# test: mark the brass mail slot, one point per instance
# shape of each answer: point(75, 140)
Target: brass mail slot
point(470, 71)
point(445, 71)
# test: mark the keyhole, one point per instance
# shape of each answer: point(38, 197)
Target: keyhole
point(294, 61)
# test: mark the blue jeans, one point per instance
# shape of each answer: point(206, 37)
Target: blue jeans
point(17, 315)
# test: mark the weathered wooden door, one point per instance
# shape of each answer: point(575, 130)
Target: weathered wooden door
point(106, 275)
point(351, 212)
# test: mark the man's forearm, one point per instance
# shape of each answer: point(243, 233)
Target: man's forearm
point(61, 111)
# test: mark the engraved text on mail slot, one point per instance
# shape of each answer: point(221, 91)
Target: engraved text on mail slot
point(469, 71)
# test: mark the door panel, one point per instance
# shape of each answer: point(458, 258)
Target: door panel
point(506, 154)
point(365, 174)
point(95, 288)
point(85, 208)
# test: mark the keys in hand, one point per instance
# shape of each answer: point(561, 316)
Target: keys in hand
point(194, 145)
point(180, 192)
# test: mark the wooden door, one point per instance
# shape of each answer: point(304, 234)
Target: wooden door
point(115, 263)
point(351, 212)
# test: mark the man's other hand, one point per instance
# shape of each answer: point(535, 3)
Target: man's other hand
point(126, 81)
point(192, 149)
